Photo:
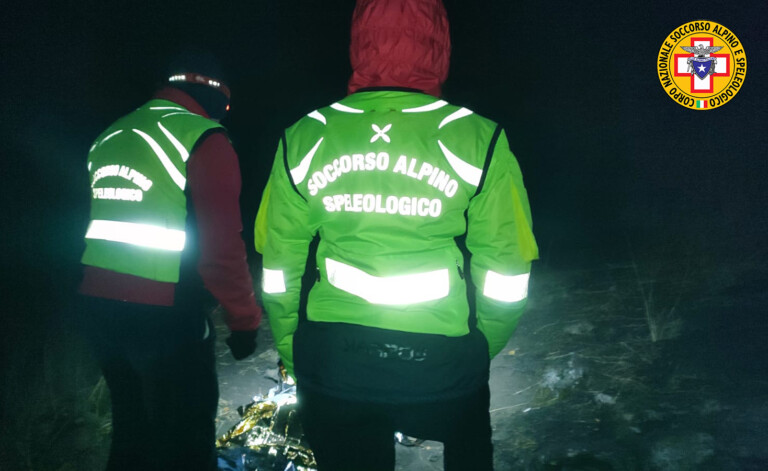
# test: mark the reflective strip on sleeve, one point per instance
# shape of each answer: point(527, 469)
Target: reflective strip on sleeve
point(174, 173)
point(273, 281)
point(403, 289)
point(318, 116)
point(435, 105)
point(461, 113)
point(508, 289)
point(110, 136)
point(178, 145)
point(144, 235)
point(468, 173)
point(299, 173)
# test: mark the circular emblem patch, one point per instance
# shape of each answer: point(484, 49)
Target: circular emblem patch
point(702, 65)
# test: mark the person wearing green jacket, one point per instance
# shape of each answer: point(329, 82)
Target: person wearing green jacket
point(413, 200)
point(162, 247)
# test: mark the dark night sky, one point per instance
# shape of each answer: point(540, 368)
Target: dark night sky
point(575, 86)
point(605, 153)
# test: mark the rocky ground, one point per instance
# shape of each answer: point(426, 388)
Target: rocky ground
point(656, 364)
point(623, 366)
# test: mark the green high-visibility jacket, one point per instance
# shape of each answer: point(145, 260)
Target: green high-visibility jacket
point(138, 174)
point(388, 180)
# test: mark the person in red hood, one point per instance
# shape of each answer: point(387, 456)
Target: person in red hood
point(162, 247)
point(399, 44)
point(391, 179)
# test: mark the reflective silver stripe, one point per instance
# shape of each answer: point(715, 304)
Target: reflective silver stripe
point(174, 173)
point(207, 330)
point(318, 116)
point(273, 281)
point(165, 108)
point(345, 108)
point(508, 289)
point(143, 235)
point(402, 289)
point(179, 147)
point(460, 113)
point(430, 107)
point(110, 136)
point(468, 173)
point(299, 173)
point(175, 112)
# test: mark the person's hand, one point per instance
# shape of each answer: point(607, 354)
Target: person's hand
point(242, 343)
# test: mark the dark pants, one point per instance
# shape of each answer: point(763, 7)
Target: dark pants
point(162, 380)
point(348, 435)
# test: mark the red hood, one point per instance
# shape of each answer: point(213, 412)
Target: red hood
point(399, 43)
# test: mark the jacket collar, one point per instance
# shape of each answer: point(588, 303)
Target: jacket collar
point(180, 98)
point(393, 99)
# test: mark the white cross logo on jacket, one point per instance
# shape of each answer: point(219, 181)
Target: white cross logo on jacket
point(381, 133)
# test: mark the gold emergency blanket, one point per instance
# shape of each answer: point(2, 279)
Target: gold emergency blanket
point(269, 435)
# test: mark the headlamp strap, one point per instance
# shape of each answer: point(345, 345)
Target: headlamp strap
point(201, 79)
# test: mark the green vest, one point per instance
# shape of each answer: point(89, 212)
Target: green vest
point(386, 179)
point(138, 174)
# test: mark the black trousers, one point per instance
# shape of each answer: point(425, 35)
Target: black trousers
point(161, 374)
point(349, 435)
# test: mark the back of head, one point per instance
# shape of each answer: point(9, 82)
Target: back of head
point(199, 74)
point(399, 43)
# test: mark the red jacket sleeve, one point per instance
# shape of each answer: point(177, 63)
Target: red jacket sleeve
point(213, 176)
